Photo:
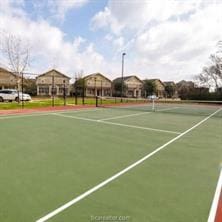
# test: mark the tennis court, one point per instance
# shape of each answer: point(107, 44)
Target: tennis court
point(111, 163)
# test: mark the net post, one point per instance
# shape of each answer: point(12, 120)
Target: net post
point(153, 105)
point(96, 101)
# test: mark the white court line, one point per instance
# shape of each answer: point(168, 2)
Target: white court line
point(44, 113)
point(120, 173)
point(136, 114)
point(140, 127)
point(216, 199)
point(75, 117)
point(26, 115)
point(117, 124)
point(159, 110)
point(125, 116)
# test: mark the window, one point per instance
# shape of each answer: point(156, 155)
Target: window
point(6, 91)
point(106, 92)
point(61, 90)
point(44, 90)
point(91, 91)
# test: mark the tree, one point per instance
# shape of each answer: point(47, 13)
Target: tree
point(170, 90)
point(185, 89)
point(117, 86)
point(79, 84)
point(30, 86)
point(17, 53)
point(149, 87)
point(211, 76)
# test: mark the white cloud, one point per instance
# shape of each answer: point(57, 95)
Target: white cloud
point(119, 15)
point(166, 39)
point(171, 40)
point(186, 44)
point(49, 48)
point(105, 19)
point(10, 7)
point(61, 7)
point(118, 42)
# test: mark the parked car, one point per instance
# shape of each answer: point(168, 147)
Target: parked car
point(13, 95)
point(152, 97)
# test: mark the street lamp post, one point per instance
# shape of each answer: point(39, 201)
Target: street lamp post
point(83, 91)
point(75, 90)
point(123, 54)
point(95, 88)
point(22, 90)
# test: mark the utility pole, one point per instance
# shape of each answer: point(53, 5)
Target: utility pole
point(123, 54)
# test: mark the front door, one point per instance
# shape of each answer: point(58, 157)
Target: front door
point(137, 93)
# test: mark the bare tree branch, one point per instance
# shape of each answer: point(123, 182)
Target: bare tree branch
point(17, 53)
point(212, 75)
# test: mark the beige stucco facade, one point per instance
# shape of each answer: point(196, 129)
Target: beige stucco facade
point(134, 86)
point(46, 81)
point(160, 88)
point(8, 80)
point(97, 85)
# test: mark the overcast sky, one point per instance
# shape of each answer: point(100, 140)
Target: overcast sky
point(170, 40)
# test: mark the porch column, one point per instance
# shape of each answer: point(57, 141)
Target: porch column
point(139, 93)
point(50, 90)
point(37, 90)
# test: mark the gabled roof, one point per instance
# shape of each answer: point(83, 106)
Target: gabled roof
point(169, 83)
point(185, 82)
point(157, 80)
point(5, 70)
point(94, 74)
point(53, 70)
point(126, 78)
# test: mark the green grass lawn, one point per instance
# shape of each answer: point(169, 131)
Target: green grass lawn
point(38, 102)
point(44, 102)
point(45, 161)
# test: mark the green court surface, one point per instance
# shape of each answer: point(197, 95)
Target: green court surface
point(49, 159)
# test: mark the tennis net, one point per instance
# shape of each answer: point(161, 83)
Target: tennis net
point(197, 108)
